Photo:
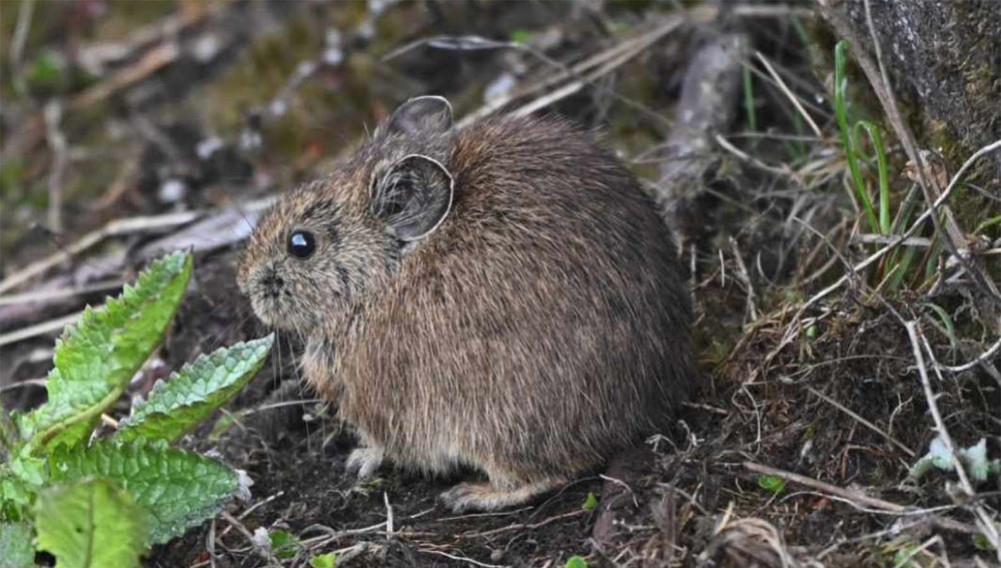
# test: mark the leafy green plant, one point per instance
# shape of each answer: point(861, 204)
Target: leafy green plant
point(974, 460)
point(102, 502)
point(591, 502)
point(284, 545)
point(576, 562)
point(328, 560)
point(881, 221)
point(850, 139)
point(772, 484)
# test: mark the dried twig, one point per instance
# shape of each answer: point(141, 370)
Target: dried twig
point(45, 296)
point(984, 521)
point(460, 558)
point(389, 515)
point(706, 106)
point(629, 50)
point(746, 278)
point(782, 170)
point(151, 62)
point(862, 421)
point(519, 526)
point(869, 239)
point(853, 496)
point(982, 358)
point(95, 57)
point(789, 94)
point(38, 329)
point(603, 61)
point(114, 228)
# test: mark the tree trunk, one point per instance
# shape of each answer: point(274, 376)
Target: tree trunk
point(944, 60)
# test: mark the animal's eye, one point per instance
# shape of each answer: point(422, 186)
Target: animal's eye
point(301, 244)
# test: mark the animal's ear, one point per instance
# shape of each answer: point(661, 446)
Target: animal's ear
point(421, 116)
point(413, 196)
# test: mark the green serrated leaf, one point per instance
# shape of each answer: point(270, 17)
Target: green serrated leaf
point(591, 502)
point(176, 405)
point(328, 560)
point(284, 545)
point(975, 460)
point(15, 545)
point(20, 480)
point(576, 562)
point(771, 483)
point(179, 489)
point(95, 359)
point(91, 524)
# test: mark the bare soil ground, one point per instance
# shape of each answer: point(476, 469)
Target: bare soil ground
point(796, 452)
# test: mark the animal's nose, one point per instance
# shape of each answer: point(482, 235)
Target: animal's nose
point(272, 283)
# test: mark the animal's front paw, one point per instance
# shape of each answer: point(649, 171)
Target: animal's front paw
point(365, 461)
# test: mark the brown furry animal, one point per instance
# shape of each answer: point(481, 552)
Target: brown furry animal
point(503, 296)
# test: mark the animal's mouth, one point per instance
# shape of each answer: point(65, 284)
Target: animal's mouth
point(282, 315)
point(269, 310)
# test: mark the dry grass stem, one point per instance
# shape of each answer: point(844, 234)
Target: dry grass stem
point(853, 496)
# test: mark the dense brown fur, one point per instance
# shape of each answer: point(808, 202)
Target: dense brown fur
point(539, 329)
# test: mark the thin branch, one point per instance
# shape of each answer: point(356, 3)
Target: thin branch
point(853, 496)
point(789, 94)
point(114, 228)
point(862, 421)
point(983, 358)
point(38, 329)
point(460, 558)
point(984, 521)
point(45, 296)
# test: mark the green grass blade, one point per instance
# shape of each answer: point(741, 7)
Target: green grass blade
point(884, 178)
point(95, 359)
point(987, 224)
point(178, 404)
point(931, 265)
point(946, 320)
point(841, 113)
point(901, 267)
point(91, 524)
point(178, 489)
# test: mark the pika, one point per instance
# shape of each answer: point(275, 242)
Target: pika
point(503, 296)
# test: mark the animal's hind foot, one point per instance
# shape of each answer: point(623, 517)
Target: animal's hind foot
point(484, 496)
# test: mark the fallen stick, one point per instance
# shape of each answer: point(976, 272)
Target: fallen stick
point(45, 296)
point(38, 329)
point(853, 496)
point(114, 228)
